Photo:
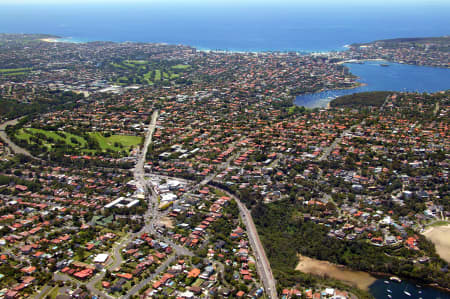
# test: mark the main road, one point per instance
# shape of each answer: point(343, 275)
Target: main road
point(152, 217)
point(139, 171)
point(262, 262)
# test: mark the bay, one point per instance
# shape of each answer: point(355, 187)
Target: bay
point(394, 77)
point(379, 289)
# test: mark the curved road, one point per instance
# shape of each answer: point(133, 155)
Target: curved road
point(14, 147)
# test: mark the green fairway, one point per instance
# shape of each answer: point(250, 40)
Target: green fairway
point(181, 66)
point(137, 61)
point(112, 141)
point(78, 144)
point(17, 70)
point(147, 78)
point(23, 135)
point(68, 138)
point(157, 75)
point(120, 66)
point(128, 72)
point(14, 74)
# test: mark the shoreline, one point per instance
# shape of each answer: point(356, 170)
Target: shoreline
point(362, 60)
point(203, 49)
point(300, 52)
point(361, 279)
point(50, 40)
point(62, 40)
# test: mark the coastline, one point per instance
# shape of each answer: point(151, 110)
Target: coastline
point(360, 279)
point(362, 60)
point(50, 40)
point(63, 39)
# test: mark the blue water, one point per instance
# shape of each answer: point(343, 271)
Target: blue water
point(380, 291)
point(395, 77)
point(241, 25)
point(257, 26)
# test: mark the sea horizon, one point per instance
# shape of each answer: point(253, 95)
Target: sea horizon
point(233, 28)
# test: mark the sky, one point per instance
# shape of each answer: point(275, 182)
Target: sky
point(386, 3)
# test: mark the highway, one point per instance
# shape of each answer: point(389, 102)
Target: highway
point(262, 262)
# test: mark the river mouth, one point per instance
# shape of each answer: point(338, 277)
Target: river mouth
point(359, 279)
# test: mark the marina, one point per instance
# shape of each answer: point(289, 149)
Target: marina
point(402, 290)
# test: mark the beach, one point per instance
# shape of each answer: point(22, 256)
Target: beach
point(359, 279)
point(49, 40)
point(440, 236)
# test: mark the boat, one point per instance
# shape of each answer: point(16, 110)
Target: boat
point(384, 64)
point(389, 296)
point(386, 282)
point(406, 292)
point(395, 278)
point(389, 291)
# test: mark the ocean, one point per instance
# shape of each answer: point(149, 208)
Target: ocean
point(246, 26)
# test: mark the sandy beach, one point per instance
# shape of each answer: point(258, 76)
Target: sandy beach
point(440, 236)
point(323, 268)
point(49, 40)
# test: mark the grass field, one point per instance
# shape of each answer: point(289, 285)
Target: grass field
point(137, 61)
point(147, 78)
point(108, 142)
point(28, 133)
point(440, 223)
point(113, 142)
point(181, 66)
point(14, 72)
point(17, 70)
point(157, 75)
